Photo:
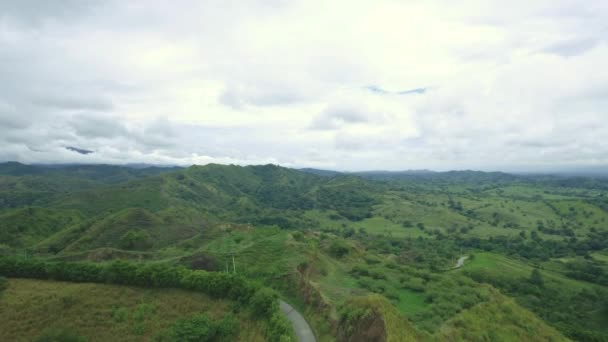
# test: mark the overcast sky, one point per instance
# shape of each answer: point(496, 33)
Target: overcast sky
point(348, 85)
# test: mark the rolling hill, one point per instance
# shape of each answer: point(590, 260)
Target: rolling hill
point(381, 243)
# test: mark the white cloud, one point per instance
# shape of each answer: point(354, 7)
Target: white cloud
point(508, 86)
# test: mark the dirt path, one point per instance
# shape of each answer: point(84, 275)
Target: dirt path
point(300, 326)
point(460, 261)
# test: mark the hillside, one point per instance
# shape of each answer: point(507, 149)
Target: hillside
point(328, 241)
point(99, 312)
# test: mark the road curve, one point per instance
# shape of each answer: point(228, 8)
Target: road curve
point(299, 324)
point(461, 261)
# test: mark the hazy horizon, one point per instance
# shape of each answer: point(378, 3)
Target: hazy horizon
point(341, 85)
point(582, 171)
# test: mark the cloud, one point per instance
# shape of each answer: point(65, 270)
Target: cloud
point(70, 101)
point(569, 48)
point(97, 126)
point(481, 84)
point(339, 115)
point(32, 11)
point(238, 96)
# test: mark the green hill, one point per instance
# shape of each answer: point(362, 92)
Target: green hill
point(499, 319)
point(26, 226)
point(384, 241)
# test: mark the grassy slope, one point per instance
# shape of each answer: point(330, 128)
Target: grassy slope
point(104, 312)
point(498, 266)
point(27, 226)
point(499, 319)
point(272, 255)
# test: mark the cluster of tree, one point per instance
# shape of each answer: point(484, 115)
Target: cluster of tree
point(423, 252)
point(284, 197)
point(537, 248)
point(557, 231)
point(352, 202)
point(454, 205)
point(135, 240)
point(409, 224)
point(338, 248)
point(263, 301)
point(588, 271)
point(362, 271)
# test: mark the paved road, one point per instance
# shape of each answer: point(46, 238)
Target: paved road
point(461, 261)
point(299, 324)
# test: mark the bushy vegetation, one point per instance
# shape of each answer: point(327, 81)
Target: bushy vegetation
point(220, 285)
point(554, 297)
point(323, 239)
point(106, 312)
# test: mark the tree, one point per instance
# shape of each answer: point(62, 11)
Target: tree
point(135, 240)
point(265, 302)
point(338, 248)
point(536, 278)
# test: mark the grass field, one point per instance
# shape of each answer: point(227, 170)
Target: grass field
point(100, 312)
point(500, 265)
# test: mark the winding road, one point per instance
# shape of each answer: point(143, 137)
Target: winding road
point(299, 324)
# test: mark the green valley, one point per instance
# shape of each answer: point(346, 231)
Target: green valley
point(363, 256)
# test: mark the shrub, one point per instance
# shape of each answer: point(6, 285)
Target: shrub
point(359, 271)
point(338, 248)
point(135, 239)
point(278, 328)
point(377, 275)
point(298, 236)
point(120, 314)
point(228, 327)
point(264, 302)
point(121, 272)
point(198, 328)
point(536, 278)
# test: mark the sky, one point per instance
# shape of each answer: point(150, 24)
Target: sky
point(341, 84)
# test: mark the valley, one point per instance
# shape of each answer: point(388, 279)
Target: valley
point(373, 256)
